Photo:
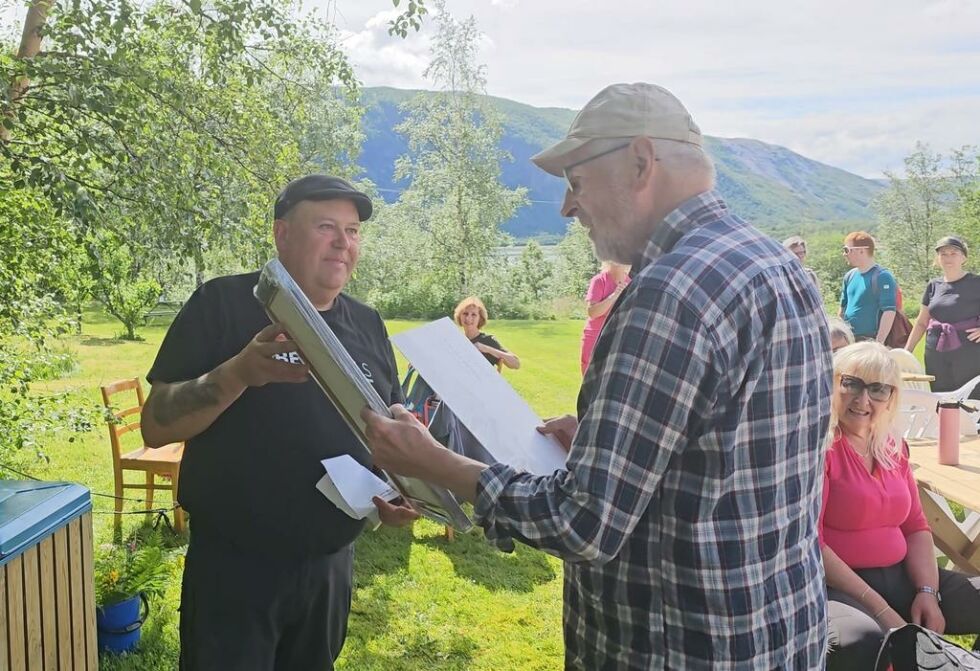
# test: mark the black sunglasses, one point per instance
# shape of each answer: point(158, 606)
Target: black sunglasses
point(877, 391)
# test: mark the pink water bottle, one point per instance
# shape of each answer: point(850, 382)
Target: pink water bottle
point(949, 433)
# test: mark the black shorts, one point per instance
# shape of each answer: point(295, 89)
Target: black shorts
point(248, 613)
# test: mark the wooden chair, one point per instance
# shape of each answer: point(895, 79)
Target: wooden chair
point(162, 461)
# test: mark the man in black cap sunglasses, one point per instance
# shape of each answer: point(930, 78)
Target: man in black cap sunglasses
point(268, 573)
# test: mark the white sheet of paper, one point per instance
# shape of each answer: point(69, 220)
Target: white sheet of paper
point(351, 487)
point(480, 397)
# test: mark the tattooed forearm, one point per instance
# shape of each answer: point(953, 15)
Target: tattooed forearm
point(184, 399)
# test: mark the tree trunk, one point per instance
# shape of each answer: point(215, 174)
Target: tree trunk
point(30, 45)
point(198, 269)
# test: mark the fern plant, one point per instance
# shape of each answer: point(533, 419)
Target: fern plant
point(142, 565)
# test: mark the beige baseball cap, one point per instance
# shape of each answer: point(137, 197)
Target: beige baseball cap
point(622, 111)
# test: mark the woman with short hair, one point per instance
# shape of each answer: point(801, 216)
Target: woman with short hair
point(841, 334)
point(471, 315)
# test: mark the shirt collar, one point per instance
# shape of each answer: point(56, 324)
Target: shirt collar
point(694, 212)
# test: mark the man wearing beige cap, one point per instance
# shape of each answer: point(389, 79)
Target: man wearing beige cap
point(687, 513)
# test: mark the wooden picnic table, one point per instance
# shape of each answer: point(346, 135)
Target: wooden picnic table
point(956, 483)
point(918, 377)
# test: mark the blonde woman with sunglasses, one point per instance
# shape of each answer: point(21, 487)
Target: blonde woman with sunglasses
point(875, 540)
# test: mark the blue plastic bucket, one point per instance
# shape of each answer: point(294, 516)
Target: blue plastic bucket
point(118, 624)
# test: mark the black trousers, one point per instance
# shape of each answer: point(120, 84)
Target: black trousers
point(855, 636)
point(953, 369)
point(248, 613)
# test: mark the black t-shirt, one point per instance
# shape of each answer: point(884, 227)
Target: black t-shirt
point(952, 302)
point(250, 477)
point(489, 340)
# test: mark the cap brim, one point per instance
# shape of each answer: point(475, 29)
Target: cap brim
point(955, 245)
point(363, 204)
point(556, 157)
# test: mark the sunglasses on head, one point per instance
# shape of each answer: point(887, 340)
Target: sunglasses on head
point(855, 386)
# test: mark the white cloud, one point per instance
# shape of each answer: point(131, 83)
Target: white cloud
point(383, 60)
point(852, 83)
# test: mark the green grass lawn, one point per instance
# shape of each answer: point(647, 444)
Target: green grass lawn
point(420, 602)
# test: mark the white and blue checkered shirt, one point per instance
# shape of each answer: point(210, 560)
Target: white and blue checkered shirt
point(687, 517)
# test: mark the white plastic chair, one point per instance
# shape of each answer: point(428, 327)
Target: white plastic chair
point(914, 415)
point(964, 392)
point(917, 417)
point(909, 364)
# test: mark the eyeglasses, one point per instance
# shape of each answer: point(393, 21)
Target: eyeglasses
point(848, 250)
point(855, 386)
point(568, 179)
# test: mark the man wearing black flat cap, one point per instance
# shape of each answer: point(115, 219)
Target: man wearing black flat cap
point(268, 573)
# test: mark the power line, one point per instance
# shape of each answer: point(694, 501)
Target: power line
point(161, 513)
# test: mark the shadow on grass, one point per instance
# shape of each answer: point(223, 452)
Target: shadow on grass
point(96, 341)
point(474, 559)
point(381, 552)
point(381, 561)
point(368, 647)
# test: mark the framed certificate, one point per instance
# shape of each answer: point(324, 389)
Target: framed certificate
point(343, 382)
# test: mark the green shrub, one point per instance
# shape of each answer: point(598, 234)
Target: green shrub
point(141, 565)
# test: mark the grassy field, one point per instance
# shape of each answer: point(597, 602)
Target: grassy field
point(421, 602)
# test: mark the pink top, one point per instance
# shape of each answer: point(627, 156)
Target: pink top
point(866, 517)
point(601, 287)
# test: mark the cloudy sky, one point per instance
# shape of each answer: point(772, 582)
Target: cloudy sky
point(853, 84)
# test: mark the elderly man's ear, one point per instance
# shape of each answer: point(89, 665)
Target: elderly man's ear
point(643, 154)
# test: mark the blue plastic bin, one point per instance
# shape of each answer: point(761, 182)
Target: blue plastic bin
point(46, 585)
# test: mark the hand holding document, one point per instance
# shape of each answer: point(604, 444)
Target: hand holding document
point(352, 488)
point(499, 419)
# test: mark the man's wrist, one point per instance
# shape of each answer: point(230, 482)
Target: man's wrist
point(227, 379)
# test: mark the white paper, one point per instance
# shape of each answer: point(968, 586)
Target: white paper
point(351, 487)
point(480, 397)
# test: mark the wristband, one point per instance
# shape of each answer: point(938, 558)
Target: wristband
point(926, 589)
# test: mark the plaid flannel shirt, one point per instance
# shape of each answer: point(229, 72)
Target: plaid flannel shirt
point(687, 516)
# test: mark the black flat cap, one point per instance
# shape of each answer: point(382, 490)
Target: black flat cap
point(321, 187)
point(953, 241)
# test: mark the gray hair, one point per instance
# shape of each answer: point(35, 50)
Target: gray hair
point(684, 156)
point(840, 329)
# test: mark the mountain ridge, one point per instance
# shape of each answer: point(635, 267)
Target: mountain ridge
point(772, 186)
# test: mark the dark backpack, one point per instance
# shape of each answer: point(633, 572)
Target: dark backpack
point(898, 335)
point(913, 648)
